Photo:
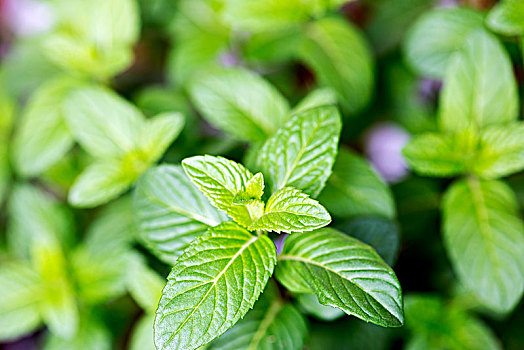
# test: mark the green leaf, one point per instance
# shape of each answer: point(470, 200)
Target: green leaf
point(143, 337)
point(272, 324)
point(380, 233)
point(341, 59)
point(101, 182)
point(302, 152)
point(105, 125)
point(309, 304)
point(507, 17)
point(500, 151)
point(354, 189)
point(485, 241)
point(344, 273)
point(20, 294)
point(144, 284)
point(441, 155)
point(264, 15)
point(91, 335)
point(290, 210)
point(42, 137)
point(36, 217)
point(213, 284)
point(254, 191)
point(437, 325)
point(479, 86)
point(240, 103)
point(158, 133)
point(58, 306)
point(220, 179)
point(171, 212)
point(320, 97)
point(436, 36)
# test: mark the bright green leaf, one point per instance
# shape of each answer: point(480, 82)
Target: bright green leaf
point(101, 182)
point(20, 293)
point(436, 36)
point(158, 133)
point(320, 97)
point(240, 103)
point(479, 86)
point(485, 241)
point(143, 337)
point(206, 294)
point(220, 179)
point(272, 325)
point(302, 152)
point(42, 137)
point(500, 151)
point(507, 17)
point(309, 304)
point(354, 189)
point(290, 210)
point(341, 59)
point(105, 125)
point(439, 154)
point(254, 191)
point(171, 212)
point(344, 273)
point(144, 284)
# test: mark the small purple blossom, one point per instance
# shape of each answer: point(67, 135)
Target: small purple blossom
point(279, 242)
point(229, 59)
point(28, 17)
point(429, 89)
point(383, 148)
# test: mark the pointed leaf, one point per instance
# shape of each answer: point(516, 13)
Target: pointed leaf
point(158, 133)
point(272, 324)
point(302, 152)
point(479, 86)
point(344, 273)
point(171, 212)
point(507, 17)
point(212, 285)
point(290, 210)
point(100, 182)
point(220, 179)
point(485, 241)
point(240, 103)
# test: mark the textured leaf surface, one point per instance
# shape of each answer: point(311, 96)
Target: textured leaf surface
point(220, 179)
point(271, 325)
point(438, 154)
point(42, 137)
point(485, 241)
point(20, 292)
point(355, 189)
point(436, 36)
point(213, 284)
point(240, 103)
point(104, 124)
point(302, 152)
point(344, 273)
point(479, 86)
point(507, 17)
point(341, 59)
point(290, 210)
point(171, 212)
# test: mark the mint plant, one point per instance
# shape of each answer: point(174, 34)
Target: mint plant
point(221, 267)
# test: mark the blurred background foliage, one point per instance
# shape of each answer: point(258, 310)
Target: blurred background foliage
point(72, 268)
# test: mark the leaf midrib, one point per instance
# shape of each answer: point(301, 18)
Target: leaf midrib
point(266, 322)
point(312, 262)
point(215, 281)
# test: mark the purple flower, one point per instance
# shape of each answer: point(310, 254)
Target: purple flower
point(28, 17)
point(279, 242)
point(383, 148)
